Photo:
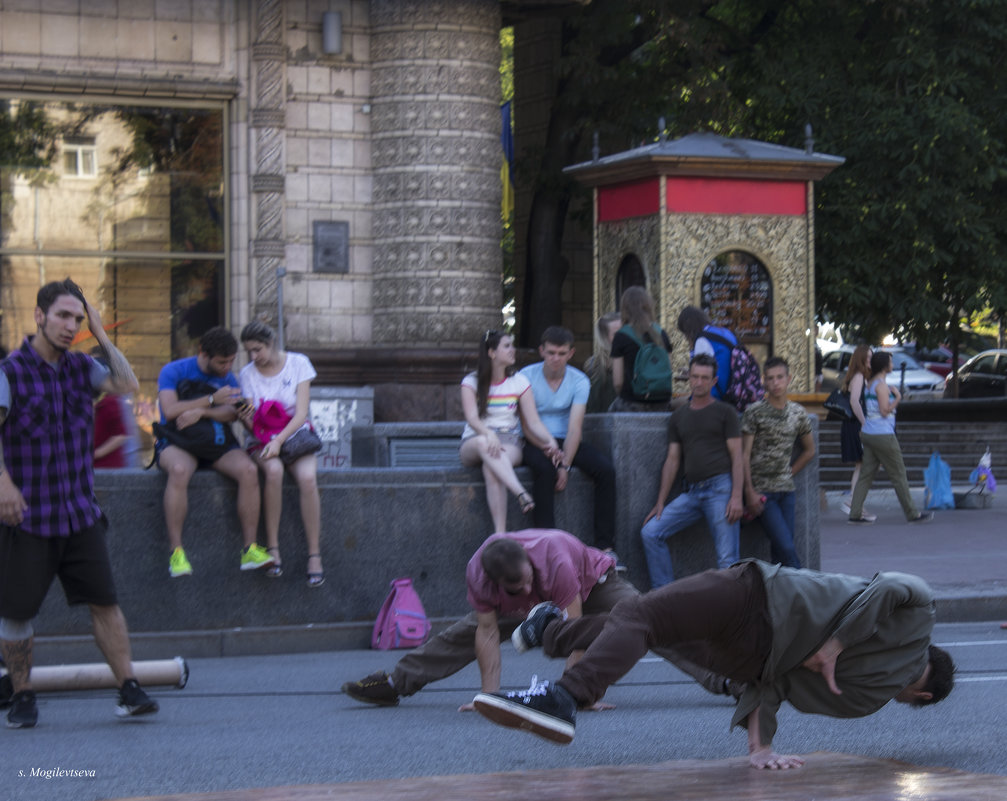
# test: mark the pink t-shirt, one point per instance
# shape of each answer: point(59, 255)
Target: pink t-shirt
point(564, 568)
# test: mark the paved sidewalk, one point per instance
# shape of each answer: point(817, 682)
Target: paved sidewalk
point(962, 553)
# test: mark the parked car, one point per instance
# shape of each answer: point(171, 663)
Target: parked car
point(982, 376)
point(971, 343)
point(917, 382)
point(937, 359)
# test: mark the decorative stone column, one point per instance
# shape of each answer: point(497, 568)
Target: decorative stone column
point(266, 121)
point(436, 164)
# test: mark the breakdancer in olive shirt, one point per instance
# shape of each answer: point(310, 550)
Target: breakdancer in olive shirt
point(829, 644)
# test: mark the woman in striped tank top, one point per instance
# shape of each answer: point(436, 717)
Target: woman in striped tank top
point(496, 405)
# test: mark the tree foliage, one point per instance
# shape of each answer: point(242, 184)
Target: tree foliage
point(910, 92)
point(623, 65)
point(27, 136)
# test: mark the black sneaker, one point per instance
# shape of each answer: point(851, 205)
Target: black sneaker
point(923, 517)
point(543, 709)
point(860, 521)
point(373, 689)
point(134, 701)
point(23, 712)
point(529, 633)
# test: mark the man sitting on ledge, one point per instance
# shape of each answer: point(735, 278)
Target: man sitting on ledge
point(829, 644)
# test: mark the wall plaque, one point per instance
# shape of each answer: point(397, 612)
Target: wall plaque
point(331, 246)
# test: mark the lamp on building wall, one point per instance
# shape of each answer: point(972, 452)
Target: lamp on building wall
point(332, 33)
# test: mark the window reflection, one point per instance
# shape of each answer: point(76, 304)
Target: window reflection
point(129, 202)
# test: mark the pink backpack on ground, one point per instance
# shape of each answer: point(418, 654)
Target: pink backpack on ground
point(401, 623)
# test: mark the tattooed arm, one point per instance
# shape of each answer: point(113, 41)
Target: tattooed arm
point(121, 379)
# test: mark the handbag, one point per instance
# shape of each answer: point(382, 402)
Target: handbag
point(838, 403)
point(300, 443)
point(270, 419)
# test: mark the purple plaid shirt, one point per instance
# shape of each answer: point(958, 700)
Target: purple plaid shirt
point(48, 440)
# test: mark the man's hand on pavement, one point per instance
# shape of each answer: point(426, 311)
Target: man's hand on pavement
point(767, 759)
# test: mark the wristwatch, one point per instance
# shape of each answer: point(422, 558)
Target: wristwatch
point(210, 398)
point(565, 467)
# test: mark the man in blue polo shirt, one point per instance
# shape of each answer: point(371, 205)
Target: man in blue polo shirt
point(561, 394)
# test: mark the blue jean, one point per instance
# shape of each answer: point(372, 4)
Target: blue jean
point(777, 520)
point(705, 499)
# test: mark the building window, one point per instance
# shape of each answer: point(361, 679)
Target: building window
point(631, 273)
point(144, 236)
point(79, 157)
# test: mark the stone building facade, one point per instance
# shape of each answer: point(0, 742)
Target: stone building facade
point(361, 185)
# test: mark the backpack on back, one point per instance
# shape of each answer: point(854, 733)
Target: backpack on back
point(744, 386)
point(652, 368)
point(401, 623)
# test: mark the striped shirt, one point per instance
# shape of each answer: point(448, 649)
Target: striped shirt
point(501, 403)
point(48, 440)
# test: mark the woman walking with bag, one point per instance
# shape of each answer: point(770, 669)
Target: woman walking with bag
point(880, 444)
point(277, 385)
point(496, 404)
point(852, 450)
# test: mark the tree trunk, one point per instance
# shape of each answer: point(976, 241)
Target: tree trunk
point(545, 265)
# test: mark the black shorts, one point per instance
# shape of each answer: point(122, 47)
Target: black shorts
point(29, 563)
point(201, 464)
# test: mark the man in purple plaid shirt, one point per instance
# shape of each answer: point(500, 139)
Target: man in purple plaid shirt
point(50, 522)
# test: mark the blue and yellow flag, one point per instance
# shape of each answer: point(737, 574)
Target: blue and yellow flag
point(507, 168)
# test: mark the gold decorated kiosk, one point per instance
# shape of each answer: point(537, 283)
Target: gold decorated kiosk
point(724, 224)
